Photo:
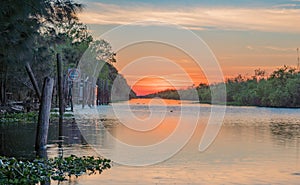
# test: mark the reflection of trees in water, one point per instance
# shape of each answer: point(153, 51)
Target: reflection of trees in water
point(95, 131)
point(285, 131)
point(71, 134)
point(18, 139)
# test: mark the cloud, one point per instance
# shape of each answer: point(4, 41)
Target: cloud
point(274, 48)
point(271, 48)
point(290, 5)
point(197, 18)
point(250, 47)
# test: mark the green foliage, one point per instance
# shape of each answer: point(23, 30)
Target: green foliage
point(66, 167)
point(13, 171)
point(98, 63)
point(113, 84)
point(33, 31)
point(280, 89)
point(204, 93)
point(29, 117)
point(97, 60)
point(18, 117)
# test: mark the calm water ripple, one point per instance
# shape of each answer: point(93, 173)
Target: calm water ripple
point(254, 146)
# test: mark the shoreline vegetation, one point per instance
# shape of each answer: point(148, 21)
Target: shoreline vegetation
point(281, 89)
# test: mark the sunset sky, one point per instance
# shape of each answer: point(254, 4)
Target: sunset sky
point(243, 35)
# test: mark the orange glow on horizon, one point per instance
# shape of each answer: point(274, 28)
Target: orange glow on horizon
point(149, 85)
point(152, 67)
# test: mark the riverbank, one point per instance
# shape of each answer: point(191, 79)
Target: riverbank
point(281, 89)
point(29, 117)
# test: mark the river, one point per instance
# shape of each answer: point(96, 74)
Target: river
point(254, 146)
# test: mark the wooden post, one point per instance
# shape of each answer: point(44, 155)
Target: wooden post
point(93, 86)
point(3, 81)
point(98, 93)
point(44, 116)
point(70, 95)
point(106, 92)
point(89, 93)
point(33, 81)
point(102, 92)
point(65, 90)
point(84, 98)
point(61, 103)
point(60, 82)
point(54, 95)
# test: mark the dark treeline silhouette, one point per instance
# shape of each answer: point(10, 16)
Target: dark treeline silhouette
point(280, 89)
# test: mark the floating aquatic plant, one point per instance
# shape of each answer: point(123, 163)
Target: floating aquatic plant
point(13, 171)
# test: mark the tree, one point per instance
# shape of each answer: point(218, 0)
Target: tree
point(259, 74)
point(27, 30)
point(18, 25)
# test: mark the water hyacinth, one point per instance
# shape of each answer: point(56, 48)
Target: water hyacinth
point(13, 171)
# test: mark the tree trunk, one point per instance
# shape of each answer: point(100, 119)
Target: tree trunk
point(33, 81)
point(3, 99)
point(84, 98)
point(2, 91)
point(44, 117)
point(60, 88)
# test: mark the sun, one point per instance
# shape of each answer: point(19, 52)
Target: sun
point(151, 84)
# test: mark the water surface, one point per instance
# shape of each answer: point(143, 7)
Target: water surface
point(255, 145)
